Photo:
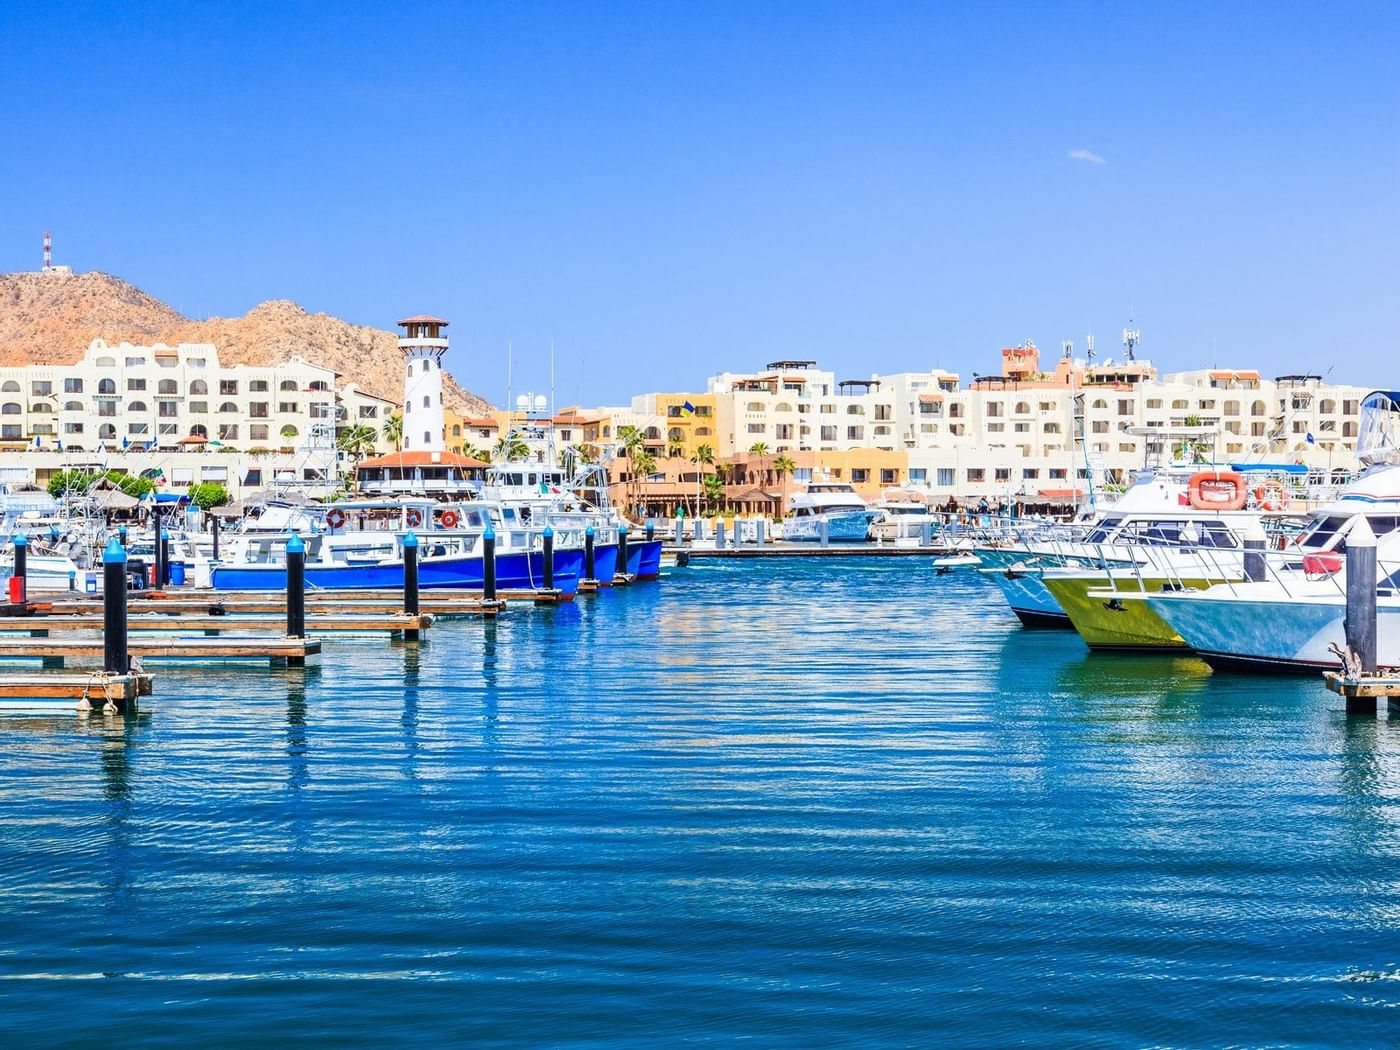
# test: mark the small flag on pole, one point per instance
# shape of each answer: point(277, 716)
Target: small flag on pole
point(1311, 440)
point(687, 409)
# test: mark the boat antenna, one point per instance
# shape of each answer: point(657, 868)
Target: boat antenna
point(552, 405)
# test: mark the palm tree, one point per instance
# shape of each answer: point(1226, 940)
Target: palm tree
point(714, 491)
point(760, 449)
point(472, 452)
point(630, 440)
point(1192, 449)
point(512, 448)
point(783, 466)
point(356, 440)
point(642, 464)
point(704, 457)
point(393, 430)
point(675, 447)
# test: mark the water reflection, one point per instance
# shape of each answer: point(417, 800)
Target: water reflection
point(408, 719)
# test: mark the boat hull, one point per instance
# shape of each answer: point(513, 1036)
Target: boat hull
point(1105, 622)
point(644, 559)
point(852, 527)
point(1025, 592)
point(1270, 635)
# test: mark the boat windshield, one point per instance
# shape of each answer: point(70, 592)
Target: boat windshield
point(1378, 436)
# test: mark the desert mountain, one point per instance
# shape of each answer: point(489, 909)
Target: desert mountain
point(49, 318)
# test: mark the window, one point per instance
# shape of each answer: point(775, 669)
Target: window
point(228, 431)
point(72, 428)
point(1232, 408)
point(855, 433)
point(1125, 407)
point(108, 387)
point(11, 408)
point(257, 432)
point(41, 388)
point(228, 386)
point(228, 406)
point(859, 475)
point(258, 409)
point(287, 406)
point(106, 408)
point(72, 386)
point(757, 428)
point(945, 477)
point(287, 384)
point(855, 410)
point(135, 384)
point(135, 362)
point(199, 388)
point(919, 474)
point(884, 411)
point(755, 406)
point(1002, 474)
point(72, 406)
point(198, 407)
point(320, 386)
point(1029, 473)
point(167, 388)
point(257, 386)
point(137, 428)
point(993, 409)
point(828, 433)
point(782, 406)
point(107, 431)
point(1257, 409)
point(889, 476)
point(195, 362)
point(167, 409)
point(106, 362)
point(1100, 426)
point(976, 475)
point(372, 412)
point(136, 406)
point(427, 401)
point(827, 410)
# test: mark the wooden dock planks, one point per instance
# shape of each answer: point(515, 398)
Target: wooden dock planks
point(156, 646)
point(390, 622)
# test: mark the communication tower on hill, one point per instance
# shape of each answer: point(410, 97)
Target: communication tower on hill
point(423, 344)
point(48, 266)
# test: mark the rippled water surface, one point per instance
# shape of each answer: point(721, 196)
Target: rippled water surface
point(820, 804)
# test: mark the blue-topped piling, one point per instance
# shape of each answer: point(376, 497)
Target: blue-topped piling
point(115, 659)
point(410, 581)
point(488, 564)
point(296, 587)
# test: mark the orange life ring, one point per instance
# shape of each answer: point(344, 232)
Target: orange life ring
point(1272, 496)
point(335, 518)
point(414, 518)
point(449, 519)
point(1217, 490)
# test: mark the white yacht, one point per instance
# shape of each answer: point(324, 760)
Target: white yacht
point(846, 515)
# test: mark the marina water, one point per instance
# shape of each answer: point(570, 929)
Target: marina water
point(803, 803)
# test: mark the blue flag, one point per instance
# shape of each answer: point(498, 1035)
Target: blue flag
point(1311, 440)
point(688, 409)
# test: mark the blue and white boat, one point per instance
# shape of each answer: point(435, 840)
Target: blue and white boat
point(358, 545)
point(833, 505)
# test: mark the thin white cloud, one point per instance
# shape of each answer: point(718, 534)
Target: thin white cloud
point(1086, 155)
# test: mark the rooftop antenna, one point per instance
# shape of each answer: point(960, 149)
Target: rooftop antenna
point(1131, 337)
point(1089, 347)
point(1067, 349)
point(48, 251)
point(552, 405)
point(510, 371)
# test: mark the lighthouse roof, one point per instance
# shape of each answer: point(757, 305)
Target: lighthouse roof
point(424, 319)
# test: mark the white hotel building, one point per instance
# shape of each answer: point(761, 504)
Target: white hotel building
point(1015, 433)
point(172, 408)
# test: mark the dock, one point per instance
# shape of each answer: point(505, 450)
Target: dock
point(56, 651)
point(392, 623)
point(245, 603)
point(98, 690)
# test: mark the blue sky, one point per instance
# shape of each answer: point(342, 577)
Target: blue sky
point(669, 190)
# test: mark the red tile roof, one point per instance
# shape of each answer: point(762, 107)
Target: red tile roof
point(421, 459)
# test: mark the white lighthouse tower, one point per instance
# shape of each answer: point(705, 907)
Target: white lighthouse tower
point(423, 345)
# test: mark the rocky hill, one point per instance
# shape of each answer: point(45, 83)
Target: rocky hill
point(49, 318)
